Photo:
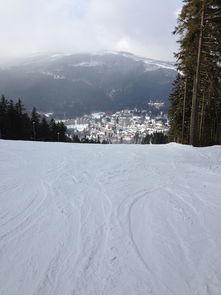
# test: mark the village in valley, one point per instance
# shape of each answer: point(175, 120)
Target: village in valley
point(125, 126)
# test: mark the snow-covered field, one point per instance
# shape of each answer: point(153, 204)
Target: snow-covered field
point(109, 219)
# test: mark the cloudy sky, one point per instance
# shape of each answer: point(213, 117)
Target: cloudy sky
point(142, 27)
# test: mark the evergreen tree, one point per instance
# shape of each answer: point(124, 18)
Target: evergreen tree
point(61, 131)
point(195, 111)
point(44, 130)
point(75, 138)
point(11, 121)
point(53, 130)
point(3, 113)
point(22, 120)
point(35, 122)
point(16, 124)
point(156, 138)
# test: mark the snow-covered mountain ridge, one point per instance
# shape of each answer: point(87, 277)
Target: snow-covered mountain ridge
point(81, 83)
point(109, 219)
point(151, 64)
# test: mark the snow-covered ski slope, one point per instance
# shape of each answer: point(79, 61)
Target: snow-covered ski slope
point(109, 219)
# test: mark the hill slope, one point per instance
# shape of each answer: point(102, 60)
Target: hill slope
point(94, 219)
point(84, 83)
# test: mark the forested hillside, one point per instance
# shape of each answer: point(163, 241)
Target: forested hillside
point(78, 84)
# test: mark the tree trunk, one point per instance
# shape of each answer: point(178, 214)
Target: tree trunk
point(184, 108)
point(202, 118)
point(193, 120)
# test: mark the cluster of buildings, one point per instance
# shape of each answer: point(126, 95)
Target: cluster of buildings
point(126, 126)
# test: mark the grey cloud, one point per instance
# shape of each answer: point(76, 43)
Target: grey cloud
point(142, 26)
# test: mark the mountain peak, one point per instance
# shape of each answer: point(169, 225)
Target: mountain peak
point(87, 82)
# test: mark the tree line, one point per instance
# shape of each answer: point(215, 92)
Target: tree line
point(16, 124)
point(195, 111)
point(155, 138)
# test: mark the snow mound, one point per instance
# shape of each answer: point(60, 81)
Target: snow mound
point(109, 219)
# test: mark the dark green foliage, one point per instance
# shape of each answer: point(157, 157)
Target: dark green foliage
point(76, 138)
point(195, 111)
point(57, 131)
point(85, 140)
point(16, 124)
point(160, 138)
point(105, 141)
point(35, 122)
point(44, 130)
point(180, 111)
point(155, 138)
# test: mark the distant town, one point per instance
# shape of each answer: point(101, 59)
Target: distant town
point(125, 126)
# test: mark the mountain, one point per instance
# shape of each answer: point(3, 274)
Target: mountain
point(83, 83)
point(109, 220)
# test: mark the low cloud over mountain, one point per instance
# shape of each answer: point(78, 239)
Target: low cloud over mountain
point(84, 83)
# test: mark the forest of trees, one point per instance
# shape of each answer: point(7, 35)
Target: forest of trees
point(195, 111)
point(16, 124)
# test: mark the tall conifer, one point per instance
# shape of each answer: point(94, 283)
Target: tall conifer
point(199, 62)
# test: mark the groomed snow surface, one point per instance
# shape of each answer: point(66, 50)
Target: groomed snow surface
point(109, 219)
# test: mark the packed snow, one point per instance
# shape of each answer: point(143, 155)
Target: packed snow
point(78, 219)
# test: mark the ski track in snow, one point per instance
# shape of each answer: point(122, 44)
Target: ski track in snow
point(116, 219)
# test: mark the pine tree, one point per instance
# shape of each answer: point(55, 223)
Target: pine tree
point(197, 94)
point(53, 130)
point(44, 130)
point(35, 122)
point(3, 113)
point(76, 138)
point(23, 126)
point(16, 124)
point(61, 131)
point(175, 112)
